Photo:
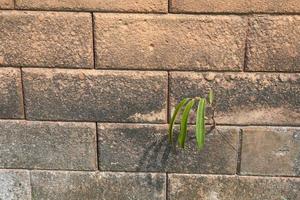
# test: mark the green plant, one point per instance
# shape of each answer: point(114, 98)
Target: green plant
point(187, 105)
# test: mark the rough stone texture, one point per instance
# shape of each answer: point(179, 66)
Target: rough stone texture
point(235, 6)
point(160, 6)
point(273, 43)
point(232, 187)
point(4, 4)
point(137, 147)
point(95, 185)
point(92, 95)
point(11, 103)
point(271, 151)
point(46, 39)
point(243, 98)
point(170, 42)
point(14, 185)
point(47, 145)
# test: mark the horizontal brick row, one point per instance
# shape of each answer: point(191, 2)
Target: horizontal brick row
point(106, 185)
point(11, 98)
point(141, 96)
point(46, 39)
point(139, 41)
point(154, 6)
point(127, 147)
point(177, 42)
point(232, 187)
point(243, 98)
point(90, 95)
point(48, 145)
point(145, 148)
point(120, 96)
point(161, 6)
point(235, 6)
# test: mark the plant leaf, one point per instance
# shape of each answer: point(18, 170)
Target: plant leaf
point(183, 124)
point(200, 123)
point(171, 125)
point(211, 97)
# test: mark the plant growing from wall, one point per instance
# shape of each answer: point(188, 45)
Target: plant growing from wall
point(186, 105)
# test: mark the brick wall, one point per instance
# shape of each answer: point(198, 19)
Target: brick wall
point(87, 86)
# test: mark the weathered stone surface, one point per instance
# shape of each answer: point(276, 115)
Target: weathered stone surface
point(271, 151)
point(48, 145)
point(94, 185)
point(137, 147)
point(273, 43)
point(92, 95)
point(6, 4)
point(235, 6)
point(46, 39)
point(170, 42)
point(243, 98)
point(232, 187)
point(160, 6)
point(14, 185)
point(11, 103)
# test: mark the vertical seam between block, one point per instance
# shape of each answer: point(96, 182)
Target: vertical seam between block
point(168, 98)
point(23, 93)
point(246, 46)
point(239, 153)
point(94, 40)
point(167, 186)
point(169, 6)
point(97, 148)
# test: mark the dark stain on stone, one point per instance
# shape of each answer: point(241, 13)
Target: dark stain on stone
point(149, 150)
point(101, 98)
point(245, 93)
point(282, 61)
point(11, 105)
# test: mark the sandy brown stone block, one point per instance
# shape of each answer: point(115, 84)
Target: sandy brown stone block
point(155, 6)
point(47, 145)
point(235, 6)
point(271, 151)
point(170, 42)
point(92, 95)
point(11, 98)
point(97, 185)
point(46, 39)
point(137, 147)
point(14, 185)
point(4, 4)
point(243, 98)
point(232, 187)
point(273, 43)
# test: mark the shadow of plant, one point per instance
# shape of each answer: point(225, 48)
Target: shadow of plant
point(152, 153)
point(161, 156)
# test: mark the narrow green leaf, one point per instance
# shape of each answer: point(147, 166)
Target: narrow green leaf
point(200, 124)
point(171, 125)
point(183, 124)
point(211, 97)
